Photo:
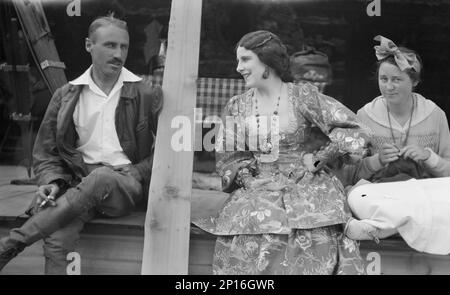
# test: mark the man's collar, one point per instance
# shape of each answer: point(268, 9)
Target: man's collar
point(85, 78)
point(129, 76)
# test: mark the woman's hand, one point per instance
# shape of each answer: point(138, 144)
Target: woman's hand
point(275, 186)
point(415, 153)
point(254, 183)
point(388, 153)
point(311, 164)
point(268, 183)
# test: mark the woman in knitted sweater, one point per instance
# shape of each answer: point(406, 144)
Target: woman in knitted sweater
point(411, 140)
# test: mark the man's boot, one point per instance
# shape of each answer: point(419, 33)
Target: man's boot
point(40, 225)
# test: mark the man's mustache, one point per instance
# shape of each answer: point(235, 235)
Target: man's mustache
point(116, 61)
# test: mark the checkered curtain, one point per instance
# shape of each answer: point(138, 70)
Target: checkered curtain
point(212, 93)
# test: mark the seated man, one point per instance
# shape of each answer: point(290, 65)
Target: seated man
point(93, 152)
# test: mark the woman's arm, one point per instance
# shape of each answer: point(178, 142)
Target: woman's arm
point(438, 164)
point(235, 167)
point(337, 122)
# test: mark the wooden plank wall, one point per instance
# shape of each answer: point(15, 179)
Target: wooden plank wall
point(166, 243)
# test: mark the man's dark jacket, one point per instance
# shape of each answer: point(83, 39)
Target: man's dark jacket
point(55, 156)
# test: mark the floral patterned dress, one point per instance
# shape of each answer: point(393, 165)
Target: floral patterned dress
point(296, 229)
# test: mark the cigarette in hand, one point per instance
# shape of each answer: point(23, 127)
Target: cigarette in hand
point(43, 203)
point(48, 199)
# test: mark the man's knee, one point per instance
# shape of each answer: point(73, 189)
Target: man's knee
point(103, 176)
point(98, 183)
point(112, 193)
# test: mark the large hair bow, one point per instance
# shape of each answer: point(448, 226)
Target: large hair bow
point(402, 59)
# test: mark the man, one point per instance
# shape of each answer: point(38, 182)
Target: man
point(93, 152)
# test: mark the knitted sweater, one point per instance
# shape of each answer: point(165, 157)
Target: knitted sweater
point(429, 129)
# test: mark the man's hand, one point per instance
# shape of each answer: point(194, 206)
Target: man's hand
point(46, 194)
point(415, 152)
point(388, 153)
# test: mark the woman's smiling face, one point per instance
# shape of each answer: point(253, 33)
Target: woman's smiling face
point(250, 67)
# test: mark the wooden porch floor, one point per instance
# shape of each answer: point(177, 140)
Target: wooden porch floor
point(103, 240)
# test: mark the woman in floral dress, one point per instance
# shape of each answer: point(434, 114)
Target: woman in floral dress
point(286, 210)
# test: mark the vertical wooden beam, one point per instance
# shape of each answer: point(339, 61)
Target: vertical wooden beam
point(167, 224)
point(34, 23)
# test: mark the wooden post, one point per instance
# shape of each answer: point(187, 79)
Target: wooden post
point(167, 223)
point(34, 23)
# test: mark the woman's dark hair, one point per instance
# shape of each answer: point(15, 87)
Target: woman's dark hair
point(270, 50)
point(412, 73)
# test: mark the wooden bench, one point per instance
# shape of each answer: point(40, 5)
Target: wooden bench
point(107, 245)
point(114, 246)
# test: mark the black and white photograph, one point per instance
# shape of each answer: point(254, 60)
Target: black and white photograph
point(224, 137)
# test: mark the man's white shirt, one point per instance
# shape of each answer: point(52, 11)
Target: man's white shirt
point(94, 119)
